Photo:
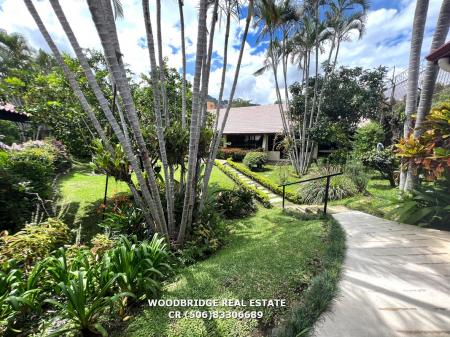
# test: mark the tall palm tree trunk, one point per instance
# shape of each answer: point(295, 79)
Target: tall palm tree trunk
point(104, 21)
point(157, 93)
point(429, 81)
point(183, 55)
point(218, 137)
point(162, 75)
point(420, 17)
point(104, 105)
point(195, 123)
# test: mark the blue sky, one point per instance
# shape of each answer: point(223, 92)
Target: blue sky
point(386, 41)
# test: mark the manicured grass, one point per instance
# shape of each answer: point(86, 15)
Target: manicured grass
point(381, 199)
point(269, 255)
point(81, 193)
point(275, 172)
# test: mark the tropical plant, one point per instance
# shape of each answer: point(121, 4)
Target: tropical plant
point(356, 172)
point(141, 265)
point(409, 173)
point(255, 160)
point(84, 303)
point(426, 206)
point(235, 203)
point(126, 124)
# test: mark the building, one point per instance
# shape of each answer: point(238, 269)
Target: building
point(441, 56)
point(254, 127)
point(8, 112)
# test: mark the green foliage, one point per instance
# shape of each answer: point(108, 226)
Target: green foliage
point(177, 143)
point(26, 179)
point(236, 154)
point(115, 164)
point(235, 203)
point(313, 192)
point(259, 195)
point(33, 243)
point(367, 137)
point(141, 265)
point(428, 205)
point(255, 160)
point(84, 302)
point(383, 161)
point(9, 132)
point(265, 182)
point(356, 172)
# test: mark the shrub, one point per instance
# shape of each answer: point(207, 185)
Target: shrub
point(428, 205)
point(27, 174)
point(265, 182)
point(33, 243)
point(383, 161)
point(356, 171)
point(259, 195)
point(313, 192)
point(255, 160)
point(236, 154)
point(235, 203)
point(367, 137)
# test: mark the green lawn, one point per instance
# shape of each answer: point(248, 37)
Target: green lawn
point(269, 255)
point(82, 193)
point(379, 201)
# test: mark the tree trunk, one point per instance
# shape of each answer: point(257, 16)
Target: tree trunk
point(195, 124)
point(429, 81)
point(420, 17)
point(158, 115)
point(103, 104)
point(104, 21)
point(183, 55)
point(218, 137)
point(162, 75)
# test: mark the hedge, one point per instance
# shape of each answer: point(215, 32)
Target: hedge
point(259, 195)
point(291, 196)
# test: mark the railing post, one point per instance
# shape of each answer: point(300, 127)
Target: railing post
point(326, 195)
point(284, 187)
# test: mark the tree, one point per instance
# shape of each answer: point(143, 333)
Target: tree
point(426, 94)
point(420, 17)
point(127, 131)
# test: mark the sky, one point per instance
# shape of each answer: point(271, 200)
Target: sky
point(386, 40)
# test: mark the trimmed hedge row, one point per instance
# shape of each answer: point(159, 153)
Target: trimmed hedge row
point(291, 196)
point(259, 195)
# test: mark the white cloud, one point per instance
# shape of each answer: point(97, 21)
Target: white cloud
point(386, 41)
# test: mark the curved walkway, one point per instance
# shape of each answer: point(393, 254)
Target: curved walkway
point(396, 281)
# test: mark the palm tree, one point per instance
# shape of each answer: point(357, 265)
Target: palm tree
point(420, 17)
point(429, 81)
point(218, 135)
point(183, 56)
point(102, 100)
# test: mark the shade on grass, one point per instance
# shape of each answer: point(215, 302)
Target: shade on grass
point(269, 255)
point(81, 193)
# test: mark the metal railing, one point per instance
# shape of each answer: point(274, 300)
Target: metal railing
point(327, 187)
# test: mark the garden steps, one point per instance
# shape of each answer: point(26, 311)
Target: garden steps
point(395, 281)
point(274, 199)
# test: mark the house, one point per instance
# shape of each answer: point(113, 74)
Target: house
point(441, 56)
point(254, 127)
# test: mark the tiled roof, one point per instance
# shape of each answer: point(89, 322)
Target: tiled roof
point(442, 51)
point(253, 120)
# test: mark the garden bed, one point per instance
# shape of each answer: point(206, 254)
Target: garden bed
point(270, 255)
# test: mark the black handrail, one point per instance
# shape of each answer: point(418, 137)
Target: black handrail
point(311, 179)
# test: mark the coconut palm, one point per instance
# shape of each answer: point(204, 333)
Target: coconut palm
point(429, 81)
point(420, 17)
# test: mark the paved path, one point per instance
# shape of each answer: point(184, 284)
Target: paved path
point(396, 281)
